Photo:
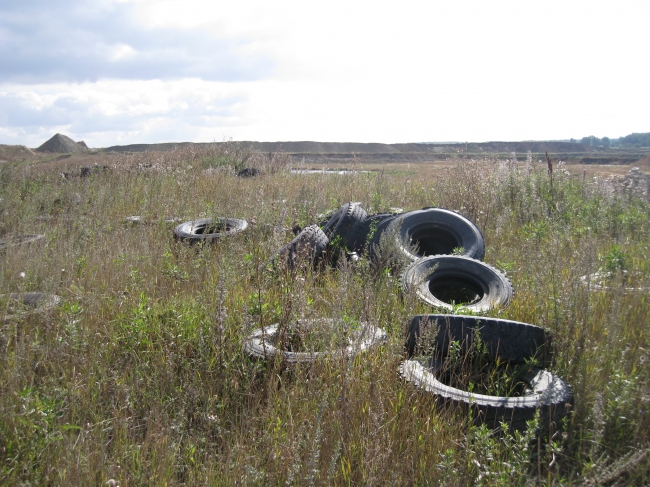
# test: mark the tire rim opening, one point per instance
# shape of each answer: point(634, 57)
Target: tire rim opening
point(476, 373)
point(209, 229)
point(456, 290)
point(434, 241)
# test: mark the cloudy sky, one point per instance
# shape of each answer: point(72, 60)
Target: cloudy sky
point(136, 71)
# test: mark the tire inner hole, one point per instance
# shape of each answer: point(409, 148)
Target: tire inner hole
point(456, 290)
point(434, 241)
point(211, 228)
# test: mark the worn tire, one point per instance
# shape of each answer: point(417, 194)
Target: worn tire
point(193, 232)
point(440, 279)
point(510, 341)
point(546, 392)
point(262, 342)
point(382, 221)
point(19, 240)
point(30, 302)
point(310, 243)
point(437, 231)
point(138, 220)
point(348, 223)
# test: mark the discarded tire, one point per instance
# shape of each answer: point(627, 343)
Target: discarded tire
point(449, 281)
point(208, 230)
point(336, 339)
point(504, 341)
point(436, 231)
point(308, 246)
point(249, 172)
point(17, 305)
point(545, 391)
point(19, 240)
point(348, 224)
point(375, 238)
point(509, 341)
point(606, 281)
point(138, 220)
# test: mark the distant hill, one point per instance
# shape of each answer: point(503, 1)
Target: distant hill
point(308, 147)
point(62, 144)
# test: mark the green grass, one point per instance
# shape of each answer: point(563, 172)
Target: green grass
point(140, 376)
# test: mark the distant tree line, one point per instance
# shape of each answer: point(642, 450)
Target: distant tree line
point(629, 141)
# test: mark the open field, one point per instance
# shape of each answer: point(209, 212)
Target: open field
point(139, 374)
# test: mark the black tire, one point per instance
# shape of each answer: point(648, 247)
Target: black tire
point(18, 305)
point(437, 231)
point(545, 391)
point(448, 281)
point(208, 230)
point(263, 342)
point(309, 245)
point(510, 341)
point(348, 224)
point(19, 240)
point(381, 222)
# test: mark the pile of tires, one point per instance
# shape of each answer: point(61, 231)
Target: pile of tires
point(443, 253)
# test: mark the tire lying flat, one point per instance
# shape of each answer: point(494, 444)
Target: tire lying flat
point(19, 240)
point(449, 281)
point(437, 231)
point(507, 341)
point(545, 391)
point(26, 304)
point(263, 342)
point(208, 230)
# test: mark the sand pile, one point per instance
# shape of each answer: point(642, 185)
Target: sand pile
point(61, 144)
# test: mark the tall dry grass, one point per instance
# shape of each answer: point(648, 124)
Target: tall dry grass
point(140, 375)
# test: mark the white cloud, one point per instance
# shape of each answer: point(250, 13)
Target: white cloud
point(340, 71)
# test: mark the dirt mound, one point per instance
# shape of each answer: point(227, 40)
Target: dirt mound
point(13, 153)
point(62, 144)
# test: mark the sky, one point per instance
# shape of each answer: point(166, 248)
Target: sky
point(115, 72)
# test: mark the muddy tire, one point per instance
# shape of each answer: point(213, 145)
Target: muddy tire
point(437, 231)
point(18, 305)
point(263, 343)
point(348, 224)
point(208, 230)
point(450, 281)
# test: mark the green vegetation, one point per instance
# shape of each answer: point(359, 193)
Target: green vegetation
point(140, 376)
point(633, 141)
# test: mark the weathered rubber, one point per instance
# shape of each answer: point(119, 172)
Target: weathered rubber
point(490, 287)
point(546, 392)
point(262, 342)
point(19, 240)
point(437, 231)
point(192, 232)
point(39, 302)
point(348, 224)
point(510, 341)
point(381, 221)
point(310, 243)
